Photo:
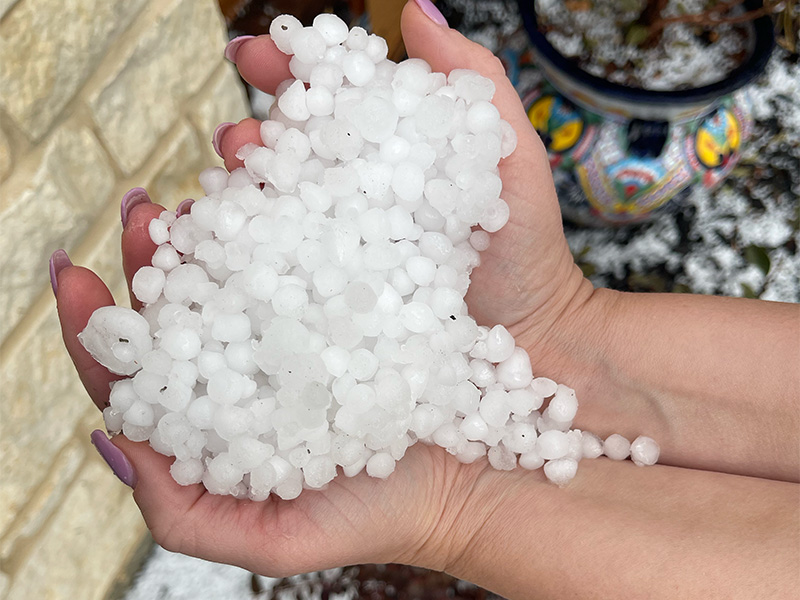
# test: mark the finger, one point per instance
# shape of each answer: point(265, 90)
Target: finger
point(230, 137)
point(260, 63)
point(446, 49)
point(81, 292)
point(137, 247)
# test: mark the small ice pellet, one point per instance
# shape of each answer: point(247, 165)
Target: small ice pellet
point(564, 404)
point(561, 471)
point(165, 258)
point(358, 67)
point(112, 325)
point(282, 29)
point(515, 371)
point(499, 345)
point(616, 447)
point(187, 472)
point(591, 445)
point(148, 283)
point(380, 465)
point(644, 451)
point(308, 45)
point(293, 102)
point(159, 231)
point(333, 30)
point(502, 459)
point(552, 444)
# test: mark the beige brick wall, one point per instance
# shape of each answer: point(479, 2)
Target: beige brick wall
point(96, 97)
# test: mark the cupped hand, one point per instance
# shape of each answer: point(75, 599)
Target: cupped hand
point(526, 280)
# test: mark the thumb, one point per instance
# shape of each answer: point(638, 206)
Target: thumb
point(527, 180)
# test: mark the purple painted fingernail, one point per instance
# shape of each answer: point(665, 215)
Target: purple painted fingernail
point(184, 207)
point(431, 12)
point(132, 198)
point(233, 46)
point(115, 458)
point(216, 139)
point(58, 260)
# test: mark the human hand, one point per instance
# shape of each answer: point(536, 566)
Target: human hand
point(409, 518)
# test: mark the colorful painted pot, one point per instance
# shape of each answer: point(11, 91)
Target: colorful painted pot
point(619, 154)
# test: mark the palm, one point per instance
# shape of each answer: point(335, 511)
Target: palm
point(353, 520)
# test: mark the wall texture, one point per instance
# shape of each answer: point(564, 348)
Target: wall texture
point(96, 97)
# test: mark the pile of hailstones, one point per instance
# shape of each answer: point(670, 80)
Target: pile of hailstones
point(309, 312)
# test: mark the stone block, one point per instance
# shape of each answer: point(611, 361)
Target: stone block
point(42, 401)
point(48, 208)
point(172, 60)
point(4, 6)
point(44, 502)
point(5, 156)
point(48, 48)
point(177, 178)
point(223, 99)
point(88, 541)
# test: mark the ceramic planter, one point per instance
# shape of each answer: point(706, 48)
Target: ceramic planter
point(621, 154)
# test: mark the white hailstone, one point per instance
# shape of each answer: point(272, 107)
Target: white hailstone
point(165, 258)
point(308, 45)
point(544, 387)
point(187, 472)
point(645, 451)
point(561, 471)
point(159, 231)
point(502, 459)
point(591, 445)
point(282, 29)
point(333, 30)
point(358, 68)
point(148, 283)
point(482, 116)
point(293, 102)
point(357, 39)
point(564, 404)
point(552, 444)
point(213, 180)
point(495, 216)
point(499, 345)
point(515, 371)
point(117, 338)
point(308, 312)
point(616, 447)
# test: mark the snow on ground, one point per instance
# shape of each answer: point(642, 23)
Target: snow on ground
point(170, 576)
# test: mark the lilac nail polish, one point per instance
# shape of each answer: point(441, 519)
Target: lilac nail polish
point(132, 198)
point(216, 139)
point(118, 462)
point(431, 12)
point(58, 260)
point(184, 207)
point(233, 46)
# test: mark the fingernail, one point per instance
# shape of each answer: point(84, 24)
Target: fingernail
point(58, 260)
point(233, 46)
point(432, 12)
point(115, 458)
point(216, 139)
point(132, 198)
point(184, 207)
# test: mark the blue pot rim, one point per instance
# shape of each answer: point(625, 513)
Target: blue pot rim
point(739, 77)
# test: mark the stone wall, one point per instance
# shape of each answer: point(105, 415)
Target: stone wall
point(96, 97)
